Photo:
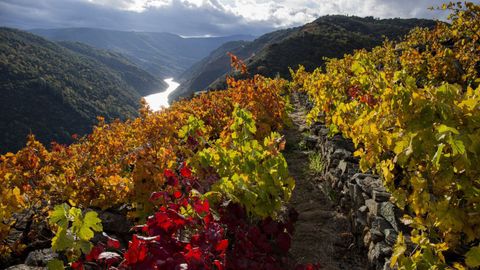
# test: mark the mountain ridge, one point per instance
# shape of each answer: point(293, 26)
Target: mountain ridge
point(271, 54)
point(161, 54)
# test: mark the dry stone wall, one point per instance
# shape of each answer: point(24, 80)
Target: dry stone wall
point(375, 219)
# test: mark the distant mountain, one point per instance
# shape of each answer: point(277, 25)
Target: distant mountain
point(307, 45)
point(161, 54)
point(55, 90)
point(143, 82)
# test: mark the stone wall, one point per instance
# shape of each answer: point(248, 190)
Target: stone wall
point(375, 220)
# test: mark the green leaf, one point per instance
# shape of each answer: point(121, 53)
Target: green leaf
point(55, 264)
point(75, 214)
point(91, 223)
point(438, 155)
point(398, 250)
point(457, 146)
point(444, 129)
point(85, 246)
point(59, 215)
point(472, 258)
point(62, 240)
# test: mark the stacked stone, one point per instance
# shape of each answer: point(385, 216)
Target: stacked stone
point(114, 224)
point(375, 220)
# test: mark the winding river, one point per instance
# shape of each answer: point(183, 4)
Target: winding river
point(160, 100)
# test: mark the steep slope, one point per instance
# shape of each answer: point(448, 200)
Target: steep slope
point(54, 92)
point(203, 73)
point(274, 53)
point(161, 54)
point(140, 80)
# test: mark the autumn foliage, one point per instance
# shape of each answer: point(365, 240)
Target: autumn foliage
point(412, 110)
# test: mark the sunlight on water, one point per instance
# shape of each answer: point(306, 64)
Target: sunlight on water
point(157, 101)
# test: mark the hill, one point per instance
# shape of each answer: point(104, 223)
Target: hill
point(56, 90)
point(140, 80)
point(274, 53)
point(162, 54)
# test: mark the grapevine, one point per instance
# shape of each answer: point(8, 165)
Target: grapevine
point(412, 110)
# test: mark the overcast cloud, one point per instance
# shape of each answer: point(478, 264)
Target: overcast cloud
point(199, 17)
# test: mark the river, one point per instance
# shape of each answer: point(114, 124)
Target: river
point(159, 100)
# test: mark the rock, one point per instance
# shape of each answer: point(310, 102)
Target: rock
point(361, 221)
point(368, 183)
point(339, 185)
point(22, 220)
point(370, 218)
point(376, 255)
point(363, 175)
point(333, 164)
point(386, 266)
point(24, 267)
point(390, 213)
point(40, 257)
point(362, 216)
point(357, 196)
point(322, 131)
point(390, 236)
point(342, 165)
point(351, 190)
point(380, 188)
point(372, 206)
point(319, 129)
point(367, 239)
point(377, 235)
point(386, 251)
point(343, 202)
point(339, 142)
point(331, 177)
point(373, 253)
point(115, 223)
point(380, 224)
point(311, 142)
point(380, 196)
point(341, 154)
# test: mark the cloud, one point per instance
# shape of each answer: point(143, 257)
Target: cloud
point(198, 17)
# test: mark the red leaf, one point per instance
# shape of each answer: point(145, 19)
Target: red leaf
point(270, 226)
point(185, 172)
point(193, 254)
point(77, 265)
point(112, 242)
point(137, 249)
point(283, 241)
point(157, 195)
point(202, 207)
point(177, 194)
point(222, 246)
point(218, 264)
point(168, 173)
point(94, 253)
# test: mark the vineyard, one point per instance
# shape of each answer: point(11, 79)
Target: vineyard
point(207, 185)
point(412, 111)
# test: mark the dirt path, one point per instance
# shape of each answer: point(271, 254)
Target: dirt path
point(321, 232)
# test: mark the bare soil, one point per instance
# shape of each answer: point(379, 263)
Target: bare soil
point(322, 233)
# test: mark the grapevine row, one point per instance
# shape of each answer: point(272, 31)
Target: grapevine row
point(412, 110)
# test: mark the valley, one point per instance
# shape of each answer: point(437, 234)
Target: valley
point(325, 142)
point(160, 100)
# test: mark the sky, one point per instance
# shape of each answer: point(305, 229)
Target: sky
point(200, 17)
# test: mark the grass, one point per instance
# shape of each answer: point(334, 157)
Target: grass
point(316, 164)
